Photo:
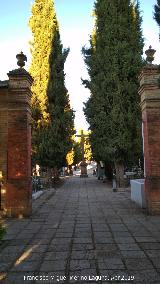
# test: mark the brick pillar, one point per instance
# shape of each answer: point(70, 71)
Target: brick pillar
point(18, 187)
point(3, 140)
point(150, 104)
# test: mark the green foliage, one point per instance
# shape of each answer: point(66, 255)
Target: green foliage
point(77, 153)
point(53, 119)
point(114, 61)
point(157, 13)
point(43, 31)
point(70, 157)
point(87, 150)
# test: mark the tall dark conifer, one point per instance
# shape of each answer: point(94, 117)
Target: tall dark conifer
point(51, 112)
point(58, 131)
point(157, 14)
point(114, 62)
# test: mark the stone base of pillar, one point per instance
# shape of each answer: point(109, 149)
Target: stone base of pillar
point(83, 169)
point(22, 210)
point(84, 176)
point(152, 190)
point(18, 198)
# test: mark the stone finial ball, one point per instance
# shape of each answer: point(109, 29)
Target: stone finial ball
point(150, 54)
point(21, 58)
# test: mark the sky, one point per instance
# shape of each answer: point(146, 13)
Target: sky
point(76, 22)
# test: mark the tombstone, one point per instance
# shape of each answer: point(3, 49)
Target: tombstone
point(150, 105)
point(15, 141)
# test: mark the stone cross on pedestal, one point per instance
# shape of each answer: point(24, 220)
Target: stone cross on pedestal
point(83, 163)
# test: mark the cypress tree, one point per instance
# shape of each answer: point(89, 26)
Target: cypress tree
point(157, 14)
point(52, 115)
point(114, 62)
point(43, 24)
point(58, 131)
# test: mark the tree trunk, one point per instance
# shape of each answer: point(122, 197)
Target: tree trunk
point(109, 171)
point(120, 175)
point(55, 173)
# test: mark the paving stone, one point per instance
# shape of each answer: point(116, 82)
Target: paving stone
point(103, 240)
point(58, 247)
point(138, 264)
point(115, 220)
point(133, 254)
point(37, 247)
point(26, 266)
point(124, 240)
point(153, 253)
point(121, 234)
point(145, 240)
point(18, 243)
point(62, 235)
point(142, 234)
point(100, 229)
point(82, 241)
point(83, 234)
point(118, 228)
point(5, 265)
point(56, 255)
point(81, 264)
point(86, 255)
point(111, 263)
point(82, 247)
point(38, 241)
point(103, 234)
point(53, 265)
point(145, 275)
point(82, 231)
point(83, 225)
point(106, 254)
point(150, 246)
point(9, 237)
point(156, 261)
point(13, 249)
point(61, 241)
point(34, 256)
point(129, 246)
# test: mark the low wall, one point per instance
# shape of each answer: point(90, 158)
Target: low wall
point(137, 192)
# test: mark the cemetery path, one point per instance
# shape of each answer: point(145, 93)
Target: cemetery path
point(81, 231)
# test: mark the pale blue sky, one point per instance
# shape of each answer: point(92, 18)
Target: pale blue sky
point(75, 21)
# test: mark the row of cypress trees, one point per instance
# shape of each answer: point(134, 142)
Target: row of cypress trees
point(114, 61)
point(53, 118)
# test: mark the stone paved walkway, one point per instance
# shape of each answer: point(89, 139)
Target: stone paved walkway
point(81, 231)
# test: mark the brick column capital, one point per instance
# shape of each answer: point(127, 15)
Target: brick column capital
point(149, 87)
point(19, 86)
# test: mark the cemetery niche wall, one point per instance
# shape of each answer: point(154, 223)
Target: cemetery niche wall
point(15, 142)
